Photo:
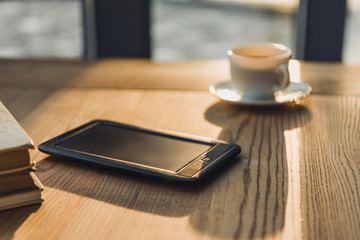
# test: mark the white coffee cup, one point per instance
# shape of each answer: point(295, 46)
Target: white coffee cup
point(260, 70)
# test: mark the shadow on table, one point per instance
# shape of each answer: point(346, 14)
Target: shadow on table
point(13, 219)
point(21, 92)
point(125, 189)
point(250, 201)
point(246, 198)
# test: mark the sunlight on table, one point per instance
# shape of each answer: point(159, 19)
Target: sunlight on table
point(292, 210)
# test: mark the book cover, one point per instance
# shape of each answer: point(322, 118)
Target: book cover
point(16, 181)
point(22, 197)
point(19, 186)
point(14, 143)
point(12, 135)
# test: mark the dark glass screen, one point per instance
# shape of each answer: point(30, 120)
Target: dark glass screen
point(136, 146)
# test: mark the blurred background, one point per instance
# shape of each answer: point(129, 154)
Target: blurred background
point(180, 29)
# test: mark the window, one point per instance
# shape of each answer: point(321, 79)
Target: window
point(208, 28)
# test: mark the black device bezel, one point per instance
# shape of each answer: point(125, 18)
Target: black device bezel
point(194, 170)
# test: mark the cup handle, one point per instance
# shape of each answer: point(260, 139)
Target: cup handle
point(283, 71)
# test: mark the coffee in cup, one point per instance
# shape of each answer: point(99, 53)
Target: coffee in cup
point(259, 70)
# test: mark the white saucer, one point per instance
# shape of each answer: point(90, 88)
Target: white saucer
point(226, 91)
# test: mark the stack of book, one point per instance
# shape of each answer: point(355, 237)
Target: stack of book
point(19, 185)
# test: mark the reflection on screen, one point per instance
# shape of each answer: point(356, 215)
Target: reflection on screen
point(135, 146)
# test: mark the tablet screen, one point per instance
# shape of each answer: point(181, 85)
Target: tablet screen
point(146, 148)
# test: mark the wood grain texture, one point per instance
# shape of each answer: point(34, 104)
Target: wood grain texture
point(114, 73)
point(325, 78)
point(298, 176)
point(331, 78)
point(331, 170)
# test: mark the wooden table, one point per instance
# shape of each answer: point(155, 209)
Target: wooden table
point(298, 176)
